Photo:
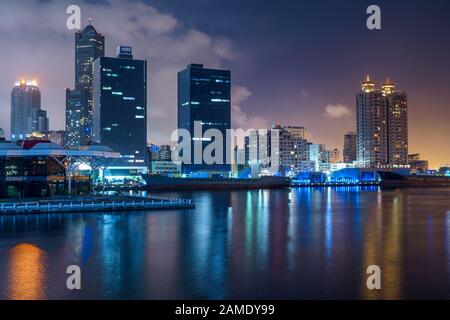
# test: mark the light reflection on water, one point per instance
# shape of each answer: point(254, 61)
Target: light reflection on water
point(303, 243)
point(26, 273)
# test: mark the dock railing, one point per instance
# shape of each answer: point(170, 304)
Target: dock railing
point(87, 206)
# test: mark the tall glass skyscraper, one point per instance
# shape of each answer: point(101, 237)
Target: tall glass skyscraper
point(382, 126)
point(204, 96)
point(25, 98)
point(120, 105)
point(89, 45)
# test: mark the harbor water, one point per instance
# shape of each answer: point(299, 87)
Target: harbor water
point(262, 244)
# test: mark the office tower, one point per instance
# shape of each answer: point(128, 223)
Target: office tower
point(38, 122)
point(204, 97)
point(89, 45)
point(350, 147)
point(397, 128)
point(382, 126)
point(25, 97)
point(120, 105)
point(76, 118)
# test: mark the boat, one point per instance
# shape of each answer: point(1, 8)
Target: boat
point(158, 182)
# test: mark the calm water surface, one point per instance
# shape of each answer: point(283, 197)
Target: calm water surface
point(297, 244)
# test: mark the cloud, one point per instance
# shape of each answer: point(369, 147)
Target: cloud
point(241, 119)
point(40, 46)
point(337, 111)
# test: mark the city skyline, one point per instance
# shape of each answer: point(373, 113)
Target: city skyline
point(299, 100)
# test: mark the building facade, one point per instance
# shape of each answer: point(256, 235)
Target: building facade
point(76, 118)
point(89, 45)
point(25, 98)
point(120, 104)
point(382, 126)
point(349, 152)
point(39, 121)
point(204, 97)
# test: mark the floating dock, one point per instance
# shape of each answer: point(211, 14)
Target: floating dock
point(88, 205)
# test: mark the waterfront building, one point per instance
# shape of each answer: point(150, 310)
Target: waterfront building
point(34, 168)
point(120, 105)
point(382, 126)
point(89, 45)
point(397, 124)
point(2, 133)
point(349, 147)
point(204, 96)
point(25, 97)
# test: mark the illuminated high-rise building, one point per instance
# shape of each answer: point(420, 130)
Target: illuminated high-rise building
point(204, 98)
point(382, 126)
point(25, 97)
point(397, 129)
point(120, 105)
point(76, 118)
point(89, 45)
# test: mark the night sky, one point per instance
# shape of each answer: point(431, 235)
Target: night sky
point(293, 62)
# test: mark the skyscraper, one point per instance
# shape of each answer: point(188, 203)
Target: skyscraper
point(25, 97)
point(76, 118)
point(371, 117)
point(120, 104)
point(204, 96)
point(89, 45)
point(350, 147)
point(382, 126)
point(397, 120)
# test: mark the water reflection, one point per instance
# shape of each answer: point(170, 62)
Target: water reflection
point(27, 273)
point(293, 244)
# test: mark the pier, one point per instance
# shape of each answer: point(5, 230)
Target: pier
point(104, 204)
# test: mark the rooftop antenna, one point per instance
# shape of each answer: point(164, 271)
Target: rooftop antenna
point(90, 21)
